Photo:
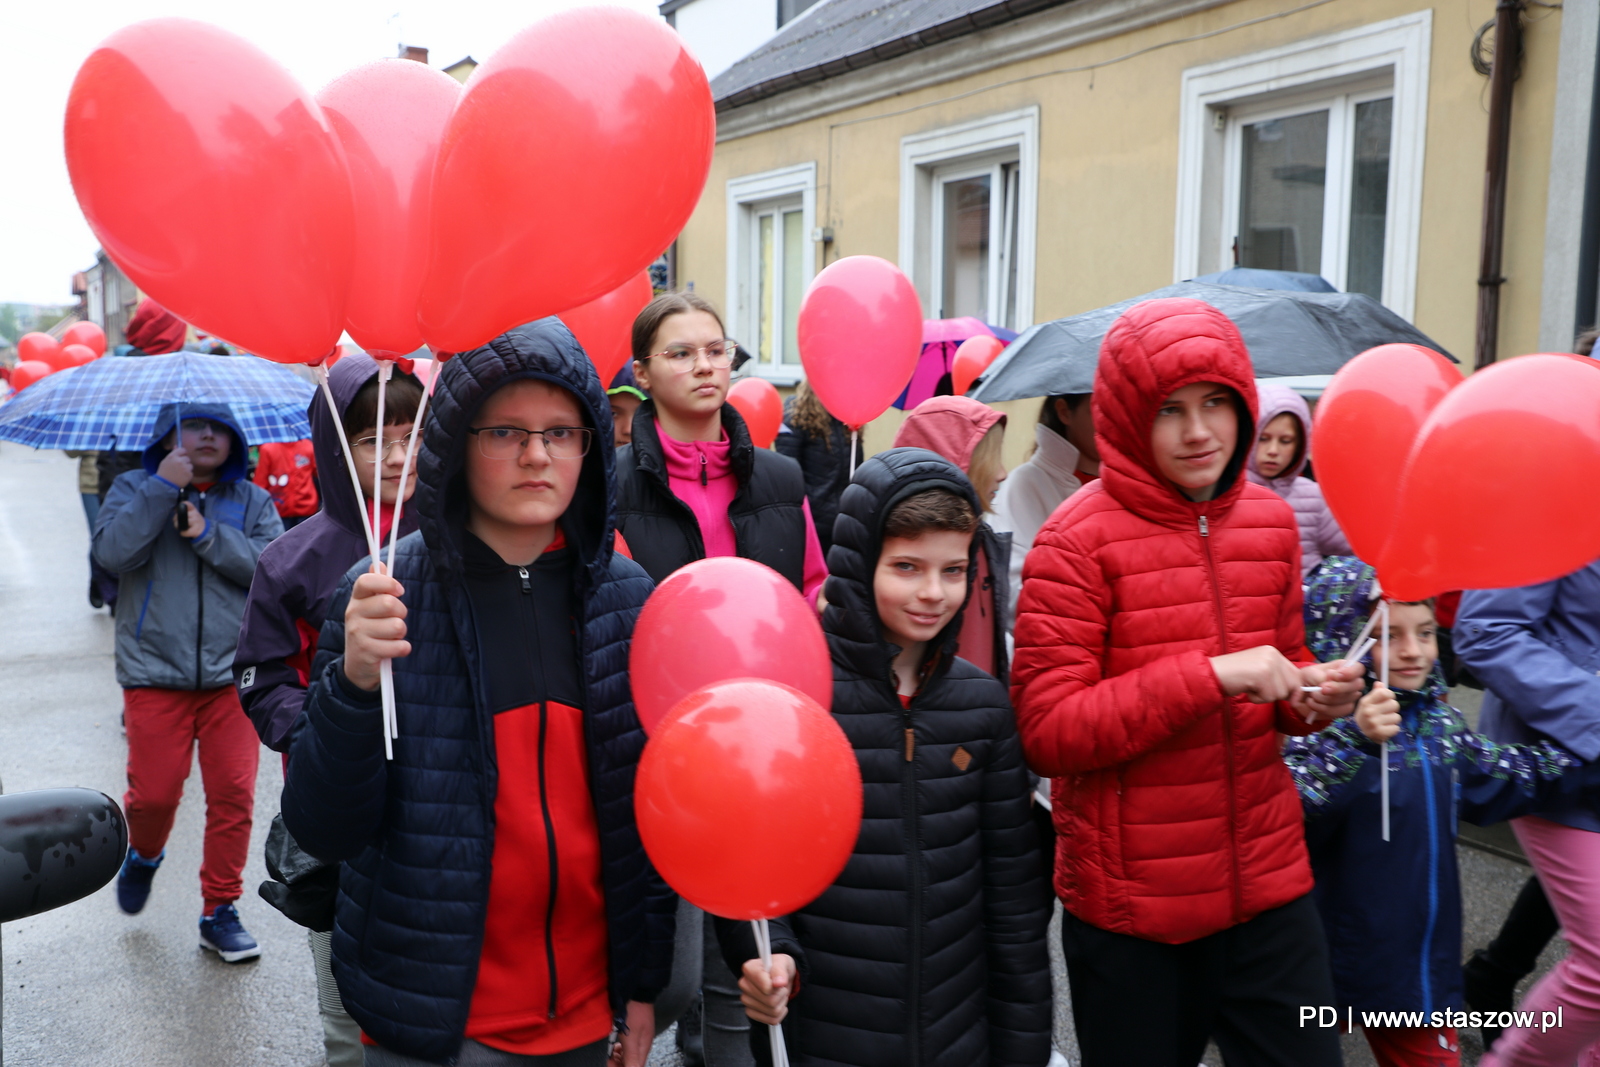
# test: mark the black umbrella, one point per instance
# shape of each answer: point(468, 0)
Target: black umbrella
point(1288, 333)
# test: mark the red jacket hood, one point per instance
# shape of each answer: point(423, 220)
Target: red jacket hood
point(154, 330)
point(1156, 348)
point(949, 426)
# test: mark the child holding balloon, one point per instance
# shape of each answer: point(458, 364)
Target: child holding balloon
point(496, 904)
point(1159, 654)
point(930, 946)
point(1392, 909)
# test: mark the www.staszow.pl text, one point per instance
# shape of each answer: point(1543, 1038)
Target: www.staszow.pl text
point(1506, 1020)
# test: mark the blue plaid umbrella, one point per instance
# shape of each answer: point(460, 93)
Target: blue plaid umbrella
point(115, 402)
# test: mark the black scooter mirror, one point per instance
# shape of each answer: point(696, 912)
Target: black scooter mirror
point(56, 846)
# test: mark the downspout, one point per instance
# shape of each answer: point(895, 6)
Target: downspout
point(1588, 302)
point(1507, 48)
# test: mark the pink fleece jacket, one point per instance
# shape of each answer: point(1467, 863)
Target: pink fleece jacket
point(1319, 530)
point(701, 475)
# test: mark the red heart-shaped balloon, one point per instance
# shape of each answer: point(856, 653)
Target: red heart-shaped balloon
point(1366, 422)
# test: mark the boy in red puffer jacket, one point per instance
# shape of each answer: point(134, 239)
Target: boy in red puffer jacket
point(1159, 653)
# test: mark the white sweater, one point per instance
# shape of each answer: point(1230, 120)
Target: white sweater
point(1030, 494)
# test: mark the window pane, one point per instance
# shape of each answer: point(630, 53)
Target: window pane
point(766, 265)
point(966, 248)
point(1285, 167)
point(794, 247)
point(1369, 198)
point(1013, 183)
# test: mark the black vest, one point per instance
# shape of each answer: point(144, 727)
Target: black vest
point(769, 523)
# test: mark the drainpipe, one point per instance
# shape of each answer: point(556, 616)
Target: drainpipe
point(1589, 235)
point(1507, 47)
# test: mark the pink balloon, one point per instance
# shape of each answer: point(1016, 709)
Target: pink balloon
point(77, 355)
point(390, 117)
point(973, 357)
point(860, 335)
point(720, 618)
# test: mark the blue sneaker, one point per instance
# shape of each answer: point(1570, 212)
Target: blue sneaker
point(224, 934)
point(133, 881)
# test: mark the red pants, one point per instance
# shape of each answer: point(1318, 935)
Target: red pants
point(1399, 1046)
point(163, 726)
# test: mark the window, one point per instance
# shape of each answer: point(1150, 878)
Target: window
point(1309, 157)
point(1310, 188)
point(967, 209)
point(771, 260)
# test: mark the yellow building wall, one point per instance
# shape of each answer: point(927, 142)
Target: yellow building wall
point(1108, 167)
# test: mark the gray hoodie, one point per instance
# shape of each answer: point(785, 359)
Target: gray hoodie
point(182, 600)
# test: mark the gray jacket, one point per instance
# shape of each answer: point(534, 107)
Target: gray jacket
point(182, 600)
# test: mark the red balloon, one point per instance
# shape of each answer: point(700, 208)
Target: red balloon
point(213, 180)
point(86, 333)
point(40, 347)
point(28, 371)
point(1527, 431)
point(77, 355)
point(860, 336)
point(973, 357)
point(604, 326)
point(761, 407)
point(390, 116)
point(748, 799)
point(577, 153)
point(719, 618)
point(1366, 422)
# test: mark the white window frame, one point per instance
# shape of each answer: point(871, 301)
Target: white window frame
point(980, 145)
point(1217, 97)
point(749, 196)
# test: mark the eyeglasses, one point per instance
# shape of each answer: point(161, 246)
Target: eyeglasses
point(507, 442)
point(720, 354)
point(368, 445)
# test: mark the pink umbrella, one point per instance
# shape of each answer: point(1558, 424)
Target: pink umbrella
point(940, 339)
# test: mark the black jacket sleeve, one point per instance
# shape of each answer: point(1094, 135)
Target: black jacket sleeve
point(333, 794)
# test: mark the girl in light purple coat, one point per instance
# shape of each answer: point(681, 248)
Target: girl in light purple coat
point(1283, 448)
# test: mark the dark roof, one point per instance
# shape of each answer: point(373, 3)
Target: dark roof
point(837, 36)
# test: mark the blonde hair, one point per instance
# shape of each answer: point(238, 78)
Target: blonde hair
point(983, 470)
point(808, 417)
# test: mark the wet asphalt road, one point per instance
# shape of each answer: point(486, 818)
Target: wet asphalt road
point(87, 986)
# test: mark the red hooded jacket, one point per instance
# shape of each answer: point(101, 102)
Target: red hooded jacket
point(1176, 815)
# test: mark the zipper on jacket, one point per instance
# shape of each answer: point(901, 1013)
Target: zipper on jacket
point(1227, 726)
point(1433, 865)
point(908, 800)
point(522, 572)
point(703, 481)
point(200, 613)
point(550, 844)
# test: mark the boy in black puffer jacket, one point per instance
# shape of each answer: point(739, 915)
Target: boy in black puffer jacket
point(495, 902)
point(929, 949)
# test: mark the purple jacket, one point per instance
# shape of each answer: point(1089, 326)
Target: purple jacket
point(1319, 531)
point(298, 574)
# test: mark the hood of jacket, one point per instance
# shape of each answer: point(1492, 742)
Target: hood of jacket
point(238, 461)
point(544, 350)
point(855, 636)
point(346, 378)
point(1274, 400)
point(950, 426)
point(154, 330)
point(1154, 349)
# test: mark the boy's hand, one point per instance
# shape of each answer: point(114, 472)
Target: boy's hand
point(766, 996)
point(1378, 714)
point(1262, 674)
point(177, 468)
point(1340, 684)
point(375, 629)
point(197, 522)
point(632, 1049)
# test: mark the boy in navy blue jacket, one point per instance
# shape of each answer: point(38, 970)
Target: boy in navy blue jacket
point(1392, 909)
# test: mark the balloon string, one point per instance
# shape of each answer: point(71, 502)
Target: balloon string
point(1383, 680)
point(385, 674)
point(780, 1052)
point(405, 470)
point(854, 433)
point(385, 371)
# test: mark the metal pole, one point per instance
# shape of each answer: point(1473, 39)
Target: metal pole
point(1507, 48)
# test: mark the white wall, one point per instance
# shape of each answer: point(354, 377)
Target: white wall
point(721, 32)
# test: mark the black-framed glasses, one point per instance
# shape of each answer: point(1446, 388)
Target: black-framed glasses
point(507, 442)
point(681, 358)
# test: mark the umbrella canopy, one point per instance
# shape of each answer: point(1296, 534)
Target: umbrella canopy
point(1258, 278)
point(940, 339)
point(114, 402)
point(1289, 334)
